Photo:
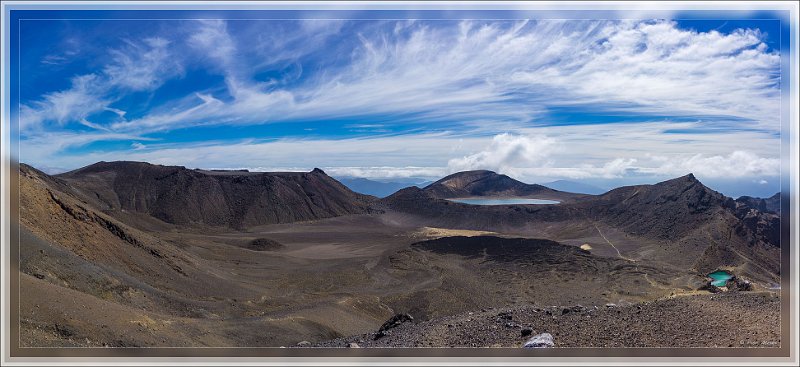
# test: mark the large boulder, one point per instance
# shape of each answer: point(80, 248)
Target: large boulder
point(709, 287)
point(543, 340)
point(737, 284)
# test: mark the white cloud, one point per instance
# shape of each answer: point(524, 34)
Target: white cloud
point(535, 158)
point(505, 153)
point(665, 69)
point(212, 36)
point(616, 168)
point(482, 74)
point(734, 165)
point(73, 104)
point(387, 172)
point(54, 59)
point(92, 125)
point(136, 67)
point(119, 112)
point(44, 149)
point(738, 164)
point(301, 153)
point(505, 71)
point(142, 66)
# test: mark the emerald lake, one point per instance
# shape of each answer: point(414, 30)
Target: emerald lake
point(720, 278)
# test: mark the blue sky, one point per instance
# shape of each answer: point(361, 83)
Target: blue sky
point(614, 101)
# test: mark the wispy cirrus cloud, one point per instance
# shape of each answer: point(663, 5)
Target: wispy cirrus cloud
point(74, 104)
point(503, 71)
point(466, 94)
point(142, 66)
point(133, 67)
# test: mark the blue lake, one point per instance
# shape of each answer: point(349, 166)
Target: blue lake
point(504, 201)
point(720, 278)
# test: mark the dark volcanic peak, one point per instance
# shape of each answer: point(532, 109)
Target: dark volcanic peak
point(239, 199)
point(483, 183)
point(688, 187)
point(664, 210)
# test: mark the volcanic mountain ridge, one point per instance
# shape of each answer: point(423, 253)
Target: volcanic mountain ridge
point(238, 199)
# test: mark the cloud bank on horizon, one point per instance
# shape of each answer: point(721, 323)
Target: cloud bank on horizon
point(537, 99)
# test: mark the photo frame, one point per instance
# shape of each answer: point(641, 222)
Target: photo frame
point(399, 182)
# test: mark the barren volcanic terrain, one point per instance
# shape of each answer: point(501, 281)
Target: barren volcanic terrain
point(135, 254)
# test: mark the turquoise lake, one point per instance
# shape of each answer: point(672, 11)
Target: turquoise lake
point(504, 201)
point(720, 278)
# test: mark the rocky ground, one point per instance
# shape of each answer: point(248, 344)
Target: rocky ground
point(92, 275)
point(735, 319)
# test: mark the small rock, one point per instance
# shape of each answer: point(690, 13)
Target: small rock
point(304, 343)
point(544, 340)
point(526, 332)
point(610, 305)
point(353, 345)
point(710, 287)
point(736, 284)
point(578, 308)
